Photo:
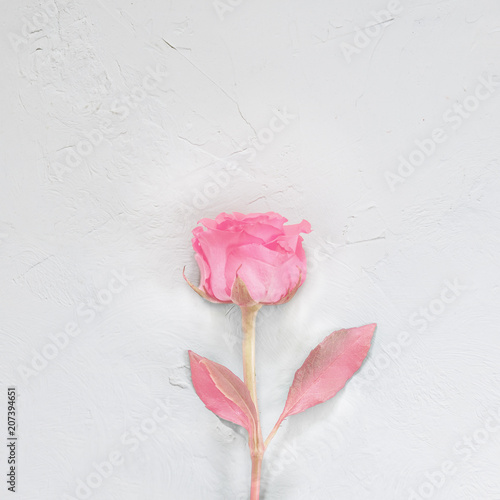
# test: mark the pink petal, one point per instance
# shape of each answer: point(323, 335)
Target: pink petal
point(214, 245)
point(301, 227)
point(258, 268)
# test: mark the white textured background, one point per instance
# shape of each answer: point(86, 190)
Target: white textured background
point(254, 106)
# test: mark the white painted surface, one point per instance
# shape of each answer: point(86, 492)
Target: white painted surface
point(67, 227)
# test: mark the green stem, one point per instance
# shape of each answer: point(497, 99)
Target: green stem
point(248, 317)
point(272, 433)
point(255, 484)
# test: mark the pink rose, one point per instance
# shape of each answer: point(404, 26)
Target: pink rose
point(250, 259)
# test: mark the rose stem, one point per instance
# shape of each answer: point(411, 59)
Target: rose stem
point(272, 433)
point(248, 317)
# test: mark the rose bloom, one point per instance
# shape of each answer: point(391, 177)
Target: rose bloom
point(249, 259)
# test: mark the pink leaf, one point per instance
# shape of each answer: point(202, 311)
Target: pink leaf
point(327, 368)
point(223, 393)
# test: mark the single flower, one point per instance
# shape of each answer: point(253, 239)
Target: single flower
point(249, 259)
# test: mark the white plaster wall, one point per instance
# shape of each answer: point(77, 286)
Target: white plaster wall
point(420, 258)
